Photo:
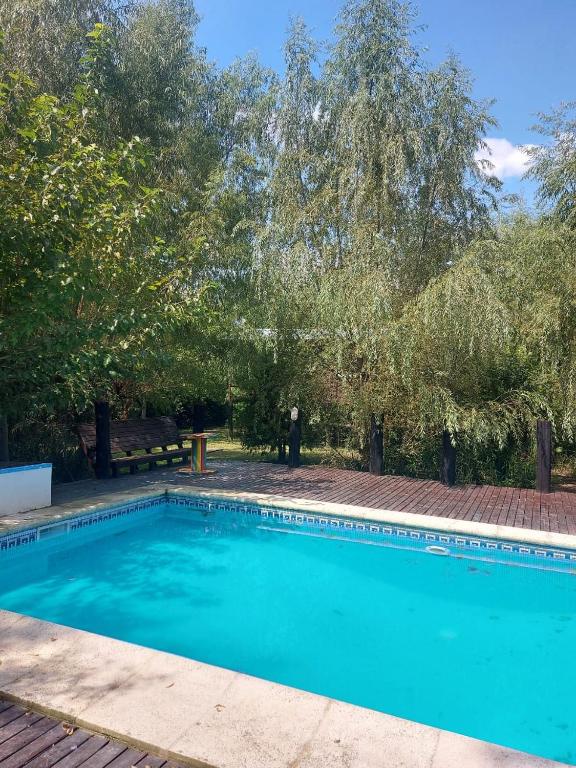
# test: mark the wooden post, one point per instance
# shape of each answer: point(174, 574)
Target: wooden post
point(281, 449)
point(230, 411)
point(294, 438)
point(543, 456)
point(103, 453)
point(376, 466)
point(198, 417)
point(4, 451)
point(448, 467)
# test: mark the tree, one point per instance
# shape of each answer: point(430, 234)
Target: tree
point(553, 164)
point(46, 40)
point(374, 192)
point(86, 286)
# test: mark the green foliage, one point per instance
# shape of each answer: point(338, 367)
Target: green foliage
point(324, 239)
point(79, 298)
point(553, 164)
point(46, 40)
point(374, 195)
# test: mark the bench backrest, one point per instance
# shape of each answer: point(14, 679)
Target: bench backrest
point(134, 434)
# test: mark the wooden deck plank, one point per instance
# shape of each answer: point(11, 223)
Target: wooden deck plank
point(150, 761)
point(105, 755)
point(127, 758)
point(58, 751)
point(10, 713)
point(389, 493)
point(24, 755)
point(25, 720)
point(31, 740)
point(471, 500)
point(24, 737)
point(488, 504)
point(84, 752)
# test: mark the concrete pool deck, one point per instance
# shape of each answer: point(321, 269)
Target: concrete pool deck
point(209, 716)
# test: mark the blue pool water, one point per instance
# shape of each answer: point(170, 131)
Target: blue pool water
point(482, 648)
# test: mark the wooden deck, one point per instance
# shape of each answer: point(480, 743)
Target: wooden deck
point(30, 740)
point(518, 507)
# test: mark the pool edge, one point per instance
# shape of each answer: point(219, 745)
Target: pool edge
point(204, 715)
point(408, 519)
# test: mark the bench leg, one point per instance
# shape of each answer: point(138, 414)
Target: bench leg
point(151, 464)
point(132, 467)
point(114, 470)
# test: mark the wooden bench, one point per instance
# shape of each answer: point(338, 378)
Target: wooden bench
point(132, 435)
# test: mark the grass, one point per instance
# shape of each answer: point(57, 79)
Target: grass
point(221, 448)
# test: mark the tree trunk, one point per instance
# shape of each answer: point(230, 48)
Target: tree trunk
point(103, 452)
point(198, 417)
point(543, 456)
point(294, 438)
point(448, 467)
point(4, 451)
point(376, 466)
point(230, 412)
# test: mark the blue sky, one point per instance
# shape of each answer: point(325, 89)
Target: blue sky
point(521, 52)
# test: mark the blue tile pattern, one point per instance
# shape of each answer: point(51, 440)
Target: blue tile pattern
point(300, 522)
point(370, 530)
point(114, 513)
point(82, 521)
point(13, 540)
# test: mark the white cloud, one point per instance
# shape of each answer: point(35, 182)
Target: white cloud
point(507, 159)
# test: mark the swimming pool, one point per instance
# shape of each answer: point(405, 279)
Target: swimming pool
point(364, 612)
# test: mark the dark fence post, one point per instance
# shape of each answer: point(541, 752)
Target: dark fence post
point(294, 438)
point(4, 452)
point(198, 417)
point(376, 466)
point(230, 411)
point(448, 468)
point(281, 449)
point(103, 453)
point(543, 456)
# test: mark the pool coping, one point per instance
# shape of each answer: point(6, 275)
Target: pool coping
point(23, 468)
point(210, 716)
point(514, 534)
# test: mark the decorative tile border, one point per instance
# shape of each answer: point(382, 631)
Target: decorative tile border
point(114, 513)
point(13, 540)
point(81, 521)
point(304, 522)
point(371, 529)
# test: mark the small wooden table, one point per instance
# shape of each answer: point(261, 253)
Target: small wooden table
point(198, 454)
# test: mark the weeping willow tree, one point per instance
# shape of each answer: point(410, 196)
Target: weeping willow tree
point(553, 163)
point(374, 194)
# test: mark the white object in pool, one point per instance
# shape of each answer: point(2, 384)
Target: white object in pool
point(25, 488)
